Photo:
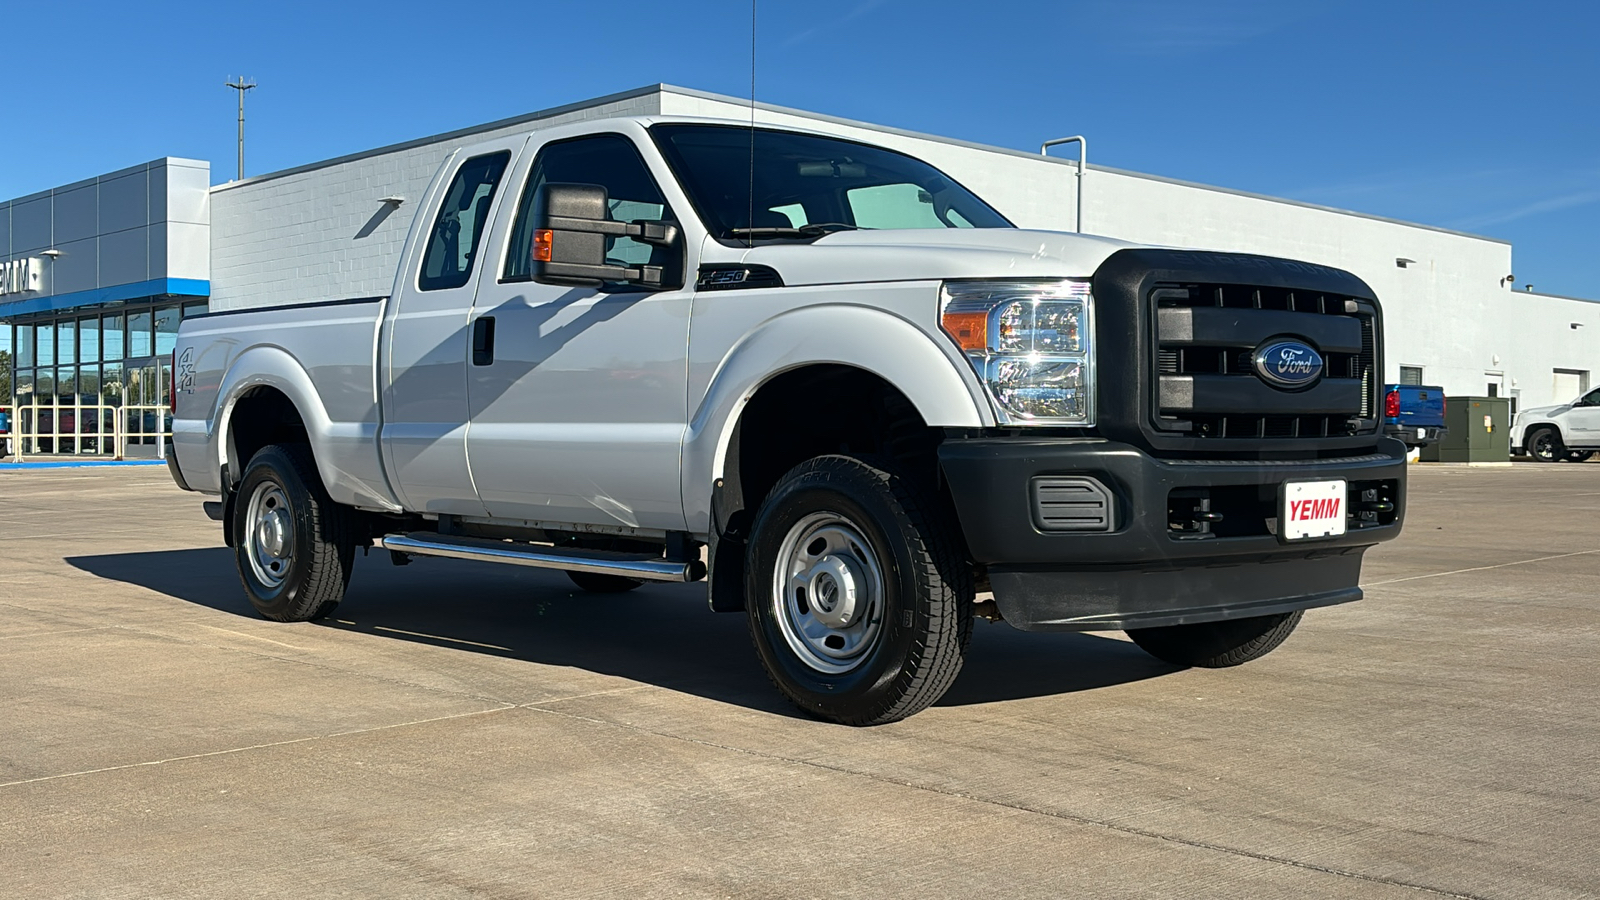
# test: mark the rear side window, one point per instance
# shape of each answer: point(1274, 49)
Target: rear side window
point(458, 229)
point(612, 161)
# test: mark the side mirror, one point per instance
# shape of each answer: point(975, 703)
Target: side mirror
point(570, 225)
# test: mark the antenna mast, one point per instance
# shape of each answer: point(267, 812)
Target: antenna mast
point(241, 86)
point(750, 222)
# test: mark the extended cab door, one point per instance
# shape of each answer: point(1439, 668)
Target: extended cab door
point(578, 407)
point(1583, 421)
point(424, 372)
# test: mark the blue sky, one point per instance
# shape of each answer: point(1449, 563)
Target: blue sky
point(1478, 116)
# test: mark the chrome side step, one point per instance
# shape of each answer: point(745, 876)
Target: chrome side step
point(569, 559)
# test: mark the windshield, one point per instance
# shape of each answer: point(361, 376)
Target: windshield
point(807, 186)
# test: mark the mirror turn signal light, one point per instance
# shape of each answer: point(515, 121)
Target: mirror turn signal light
point(970, 329)
point(543, 238)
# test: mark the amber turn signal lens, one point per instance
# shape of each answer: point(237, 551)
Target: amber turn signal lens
point(542, 239)
point(970, 329)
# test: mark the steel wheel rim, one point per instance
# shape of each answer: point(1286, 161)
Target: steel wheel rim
point(269, 543)
point(827, 593)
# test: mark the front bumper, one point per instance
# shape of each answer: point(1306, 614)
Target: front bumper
point(1187, 540)
point(1416, 435)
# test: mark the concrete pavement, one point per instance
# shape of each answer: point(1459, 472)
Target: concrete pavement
point(473, 731)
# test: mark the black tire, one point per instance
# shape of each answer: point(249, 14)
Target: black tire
point(919, 587)
point(596, 583)
point(320, 546)
point(1217, 645)
point(1544, 445)
point(1579, 455)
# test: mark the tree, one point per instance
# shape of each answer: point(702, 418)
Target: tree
point(5, 377)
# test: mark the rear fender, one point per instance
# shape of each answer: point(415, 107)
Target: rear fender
point(339, 448)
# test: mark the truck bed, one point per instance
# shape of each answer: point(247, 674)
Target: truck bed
point(321, 356)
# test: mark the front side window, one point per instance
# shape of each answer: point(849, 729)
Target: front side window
point(1591, 399)
point(611, 161)
point(807, 185)
point(463, 217)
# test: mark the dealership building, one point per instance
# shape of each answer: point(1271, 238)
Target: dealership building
point(95, 276)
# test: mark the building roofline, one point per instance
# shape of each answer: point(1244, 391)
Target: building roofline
point(974, 145)
point(110, 176)
point(496, 125)
point(662, 88)
point(1554, 296)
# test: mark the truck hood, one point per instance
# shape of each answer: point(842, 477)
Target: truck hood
point(1544, 412)
point(935, 253)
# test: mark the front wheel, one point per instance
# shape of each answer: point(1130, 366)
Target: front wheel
point(294, 546)
point(1545, 445)
point(1217, 645)
point(860, 604)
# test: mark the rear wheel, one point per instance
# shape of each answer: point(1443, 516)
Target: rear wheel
point(860, 605)
point(1217, 645)
point(1545, 445)
point(293, 545)
point(1579, 455)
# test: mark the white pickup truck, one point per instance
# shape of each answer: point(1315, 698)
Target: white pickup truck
point(828, 380)
point(1570, 431)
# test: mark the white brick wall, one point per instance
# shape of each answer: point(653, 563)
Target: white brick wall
point(292, 238)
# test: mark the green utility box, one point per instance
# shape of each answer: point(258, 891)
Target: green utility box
point(1480, 431)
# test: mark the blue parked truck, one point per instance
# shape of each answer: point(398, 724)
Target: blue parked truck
point(1414, 413)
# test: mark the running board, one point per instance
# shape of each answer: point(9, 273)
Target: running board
point(569, 559)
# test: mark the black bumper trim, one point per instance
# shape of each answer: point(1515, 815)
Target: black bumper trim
point(1120, 599)
point(173, 470)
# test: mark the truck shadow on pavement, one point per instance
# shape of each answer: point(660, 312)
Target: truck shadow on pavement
point(658, 634)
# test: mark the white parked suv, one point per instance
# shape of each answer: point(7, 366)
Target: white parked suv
point(1569, 432)
point(825, 378)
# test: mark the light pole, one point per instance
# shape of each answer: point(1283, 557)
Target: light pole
point(241, 86)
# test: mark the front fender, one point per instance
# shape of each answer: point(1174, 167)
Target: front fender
point(930, 372)
point(346, 453)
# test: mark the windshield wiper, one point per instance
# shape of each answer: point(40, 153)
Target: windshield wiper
point(810, 230)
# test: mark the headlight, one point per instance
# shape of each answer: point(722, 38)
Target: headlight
point(1031, 342)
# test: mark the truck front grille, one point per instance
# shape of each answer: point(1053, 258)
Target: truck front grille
point(1205, 383)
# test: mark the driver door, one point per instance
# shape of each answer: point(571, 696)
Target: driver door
point(578, 411)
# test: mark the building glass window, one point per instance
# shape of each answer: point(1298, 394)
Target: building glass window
point(1410, 374)
point(196, 309)
point(139, 335)
point(166, 330)
point(46, 335)
point(67, 341)
point(24, 346)
point(111, 384)
point(89, 340)
point(112, 331)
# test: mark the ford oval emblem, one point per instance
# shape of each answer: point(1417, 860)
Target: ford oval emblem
point(1288, 364)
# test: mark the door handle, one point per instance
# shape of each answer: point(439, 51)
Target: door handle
point(483, 341)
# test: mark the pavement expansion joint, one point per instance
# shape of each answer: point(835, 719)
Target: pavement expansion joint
point(1519, 562)
point(267, 746)
point(1130, 830)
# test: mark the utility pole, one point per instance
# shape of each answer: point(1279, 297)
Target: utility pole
point(241, 86)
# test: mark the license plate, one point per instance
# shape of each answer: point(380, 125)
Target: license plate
point(1313, 509)
point(1422, 433)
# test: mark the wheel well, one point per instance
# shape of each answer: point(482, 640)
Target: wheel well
point(819, 410)
point(262, 416)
